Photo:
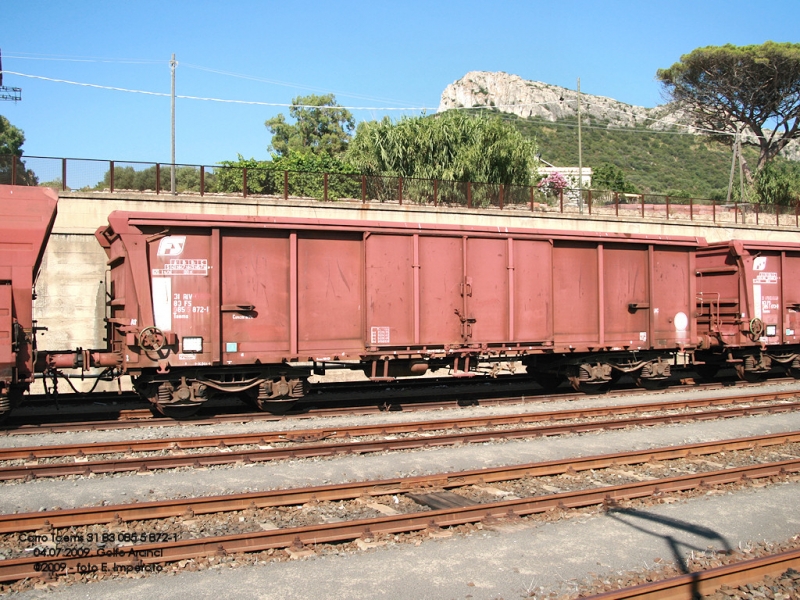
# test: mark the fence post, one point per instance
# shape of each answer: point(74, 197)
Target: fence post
point(561, 200)
point(530, 187)
point(400, 190)
point(589, 202)
point(616, 203)
point(435, 191)
point(642, 197)
point(736, 212)
point(13, 169)
point(158, 178)
point(244, 182)
point(691, 209)
point(64, 174)
point(202, 180)
point(667, 201)
point(758, 210)
point(714, 211)
point(325, 187)
point(777, 215)
point(286, 185)
point(501, 196)
point(111, 171)
point(469, 194)
point(363, 189)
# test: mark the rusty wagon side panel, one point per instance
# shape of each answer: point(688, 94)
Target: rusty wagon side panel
point(748, 305)
point(27, 215)
point(250, 292)
point(631, 296)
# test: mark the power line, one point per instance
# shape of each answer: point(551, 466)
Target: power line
point(55, 57)
point(362, 108)
point(142, 61)
point(85, 59)
point(287, 84)
point(209, 99)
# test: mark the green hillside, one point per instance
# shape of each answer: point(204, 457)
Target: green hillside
point(659, 162)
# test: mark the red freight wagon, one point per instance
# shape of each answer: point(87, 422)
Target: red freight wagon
point(26, 219)
point(206, 304)
point(748, 307)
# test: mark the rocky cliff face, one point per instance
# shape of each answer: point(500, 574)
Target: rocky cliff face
point(512, 94)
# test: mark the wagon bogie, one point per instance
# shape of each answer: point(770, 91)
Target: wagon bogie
point(591, 378)
point(654, 374)
point(793, 369)
point(597, 372)
point(183, 391)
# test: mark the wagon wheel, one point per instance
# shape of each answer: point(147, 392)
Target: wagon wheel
point(276, 407)
point(592, 379)
point(793, 367)
point(178, 411)
point(651, 384)
point(706, 372)
point(594, 388)
point(749, 376)
point(548, 381)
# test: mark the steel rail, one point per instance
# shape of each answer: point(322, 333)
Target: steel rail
point(227, 456)
point(11, 523)
point(704, 583)
point(306, 435)
point(144, 554)
point(136, 418)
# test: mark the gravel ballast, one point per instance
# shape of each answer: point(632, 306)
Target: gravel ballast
point(525, 558)
point(513, 561)
point(95, 490)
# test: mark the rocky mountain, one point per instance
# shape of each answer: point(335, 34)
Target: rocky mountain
point(512, 94)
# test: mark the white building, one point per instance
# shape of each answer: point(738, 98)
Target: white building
point(570, 174)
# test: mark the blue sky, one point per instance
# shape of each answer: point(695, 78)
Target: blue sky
point(373, 55)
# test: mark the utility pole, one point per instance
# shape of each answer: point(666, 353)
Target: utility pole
point(580, 152)
point(172, 65)
point(735, 146)
point(8, 93)
point(741, 167)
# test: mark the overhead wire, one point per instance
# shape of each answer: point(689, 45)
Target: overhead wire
point(287, 84)
point(94, 59)
point(86, 59)
point(209, 99)
point(359, 108)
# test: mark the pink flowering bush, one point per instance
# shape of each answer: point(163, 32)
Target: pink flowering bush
point(553, 182)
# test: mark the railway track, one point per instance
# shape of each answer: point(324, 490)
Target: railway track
point(144, 417)
point(704, 583)
point(172, 453)
point(122, 543)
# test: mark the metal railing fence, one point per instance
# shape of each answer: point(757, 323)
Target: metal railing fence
point(94, 175)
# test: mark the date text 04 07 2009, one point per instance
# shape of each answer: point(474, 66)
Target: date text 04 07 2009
point(70, 546)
